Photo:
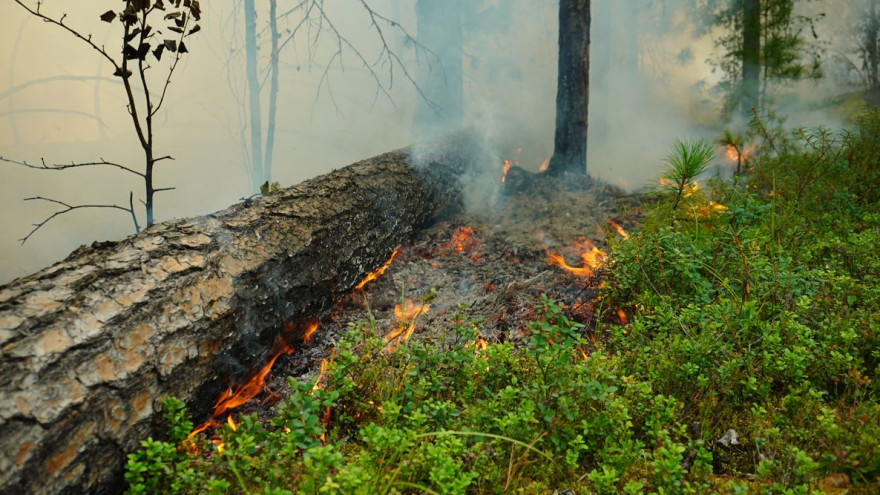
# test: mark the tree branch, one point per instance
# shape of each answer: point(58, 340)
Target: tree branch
point(67, 209)
point(60, 22)
point(64, 166)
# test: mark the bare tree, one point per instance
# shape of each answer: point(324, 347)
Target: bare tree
point(142, 34)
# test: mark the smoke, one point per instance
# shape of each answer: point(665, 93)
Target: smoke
point(650, 83)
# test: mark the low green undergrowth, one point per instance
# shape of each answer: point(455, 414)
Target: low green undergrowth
point(749, 364)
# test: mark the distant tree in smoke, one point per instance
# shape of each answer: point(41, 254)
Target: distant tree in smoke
point(311, 22)
point(764, 41)
point(573, 89)
point(149, 30)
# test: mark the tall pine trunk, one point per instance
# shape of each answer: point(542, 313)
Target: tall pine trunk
point(751, 55)
point(573, 89)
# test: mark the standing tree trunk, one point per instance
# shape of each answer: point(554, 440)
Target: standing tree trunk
point(253, 83)
point(872, 54)
point(441, 108)
point(751, 55)
point(273, 89)
point(573, 89)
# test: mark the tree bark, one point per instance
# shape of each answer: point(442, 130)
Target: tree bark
point(90, 345)
point(573, 85)
point(751, 56)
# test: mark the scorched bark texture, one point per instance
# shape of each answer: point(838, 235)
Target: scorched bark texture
point(89, 346)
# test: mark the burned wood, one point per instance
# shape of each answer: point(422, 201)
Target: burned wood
point(90, 345)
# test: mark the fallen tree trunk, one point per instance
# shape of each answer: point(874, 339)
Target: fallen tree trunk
point(89, 346)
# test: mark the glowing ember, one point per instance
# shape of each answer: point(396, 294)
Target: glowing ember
point(622, 315)
point(505, 170)
point(374, 275)
point(591, 258)
point(618, 229)
point(462, 240)
point(406, 322)
point(544, 165)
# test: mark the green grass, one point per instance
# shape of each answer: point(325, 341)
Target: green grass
point(759, 318)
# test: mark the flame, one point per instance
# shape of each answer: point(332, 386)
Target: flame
point(618, 228)
point(505, 170)
point(707, 210)
point(374, 275)
point(479, 343)
point(231, 423)
point(689, 189)
point(248, 390)
point(622, 315)
point(591, 257)
point(735, 155)
point(319, 382)
point(406, 322)
point(544, 165)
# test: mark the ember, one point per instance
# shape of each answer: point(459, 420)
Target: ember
point(622, 315)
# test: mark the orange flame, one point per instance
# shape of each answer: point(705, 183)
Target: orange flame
point(622, 315)
point(505, 170)
point(248, 390)
point(591, 257)
point(735, 155)
point(374, 275)
point(231, 423)
point(406, 318)
point(689, 189)
point(319, 382)
point(544, 165)
point(618, 228)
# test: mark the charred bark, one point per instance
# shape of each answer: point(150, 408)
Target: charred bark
point(573, 89)
point(90, 345)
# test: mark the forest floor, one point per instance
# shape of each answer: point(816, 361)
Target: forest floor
point(727, 343)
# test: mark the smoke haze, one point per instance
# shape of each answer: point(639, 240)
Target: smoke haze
point(649, 78)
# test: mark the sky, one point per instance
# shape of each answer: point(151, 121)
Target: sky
point(59, 102)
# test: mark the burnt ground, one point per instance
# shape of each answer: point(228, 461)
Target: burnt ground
point(492, 263)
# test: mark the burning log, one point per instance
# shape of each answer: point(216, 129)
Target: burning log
point(186, 308)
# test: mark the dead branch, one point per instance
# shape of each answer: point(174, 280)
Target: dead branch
point(68, 208)
point(65, 166)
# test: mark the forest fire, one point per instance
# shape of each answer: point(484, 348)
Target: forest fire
point(734, 154)
point(379, 271)
point(591, 257)
point(689, 189)
point(505, 170)
point(247, 391)
point(406, 315)
point(617, 228)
